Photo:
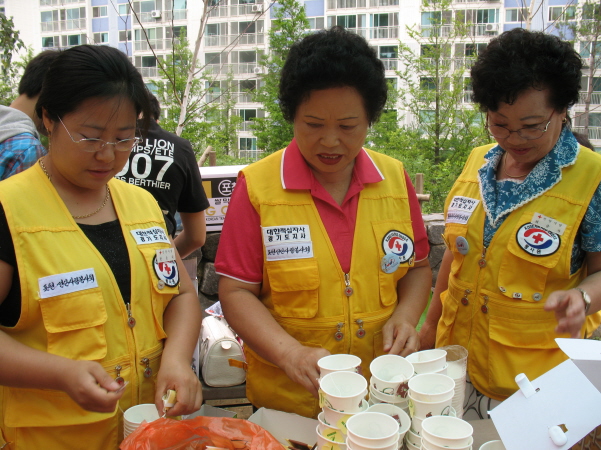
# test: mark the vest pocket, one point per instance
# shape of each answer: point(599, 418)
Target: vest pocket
point(518, 345)
point(294, 287)
point(75, 324)
point(451, 232)
point(450, 305)
point(516, 262)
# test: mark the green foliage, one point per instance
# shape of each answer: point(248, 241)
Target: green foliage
point(290, 25)
point(10, 44)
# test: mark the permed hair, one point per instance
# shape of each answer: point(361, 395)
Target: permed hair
point(519, 60)
point(91, 71)
point(329, 59)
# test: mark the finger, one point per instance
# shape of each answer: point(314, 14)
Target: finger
point(103, 379)
point(401, 344)
point(556, 301)
point(411, 346)
point(387, 338)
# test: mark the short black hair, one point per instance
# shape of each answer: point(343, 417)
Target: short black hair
point(328, 59)
point(91, 71)
point(155, 107)
point(519, 60)
point(33, 76)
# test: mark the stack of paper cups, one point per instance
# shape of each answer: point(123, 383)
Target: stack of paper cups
point(457, 370)
point(445, 433)
point(134, 416)
point(341, 395)
point(430, 394)
point(372, 430)
point(389, 377)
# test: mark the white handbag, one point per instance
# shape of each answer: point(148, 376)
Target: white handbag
point(221, 355)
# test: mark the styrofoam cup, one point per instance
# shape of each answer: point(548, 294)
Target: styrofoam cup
point(431, 387)
point(421, 409)
point(338, 419)
point(447, 431)
point(339, 363)
point(428, 361)
point(492, 445)
point(343, 391)
point(372, 429)
point(389, 372)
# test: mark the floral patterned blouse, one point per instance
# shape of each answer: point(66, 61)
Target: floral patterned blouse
point(501, 197)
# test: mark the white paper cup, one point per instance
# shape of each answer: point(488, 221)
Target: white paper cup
point(443, 370)
point(343, 391)
point(338, 419)
point(492, 445)
point(372, 429)
point(414, 438)
point(457, 360)
point(422, 410)
point(352, 445)
point(330, 433)
point(134, 416)
point(427, 445)
point(396, 413)
point(431, 387)
point(322, 442)
point(416, 425)
point(411, 446)
point(373, 392)
point(389, 372)
point(339, 363)
point(428, 361)
point(447, 431)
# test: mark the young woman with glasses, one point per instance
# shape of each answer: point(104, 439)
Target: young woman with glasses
point(523, 231)
point(97, 313)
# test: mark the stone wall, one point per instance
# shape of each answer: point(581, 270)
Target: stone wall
point(208, 279)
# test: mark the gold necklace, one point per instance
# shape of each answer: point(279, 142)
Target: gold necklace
point(106, 199)
point(505, 169)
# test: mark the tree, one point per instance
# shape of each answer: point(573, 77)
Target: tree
point(583, 27)
point(435, 92)
point(10, 43)
point(290, 25)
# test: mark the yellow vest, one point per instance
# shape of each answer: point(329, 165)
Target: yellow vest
point(88, 324)
point(306, 295)
point(495, 308)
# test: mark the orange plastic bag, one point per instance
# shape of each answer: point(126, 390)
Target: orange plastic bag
point(198, 433)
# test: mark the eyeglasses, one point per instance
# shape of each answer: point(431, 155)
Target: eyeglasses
point(94, 145)
point(528, 133)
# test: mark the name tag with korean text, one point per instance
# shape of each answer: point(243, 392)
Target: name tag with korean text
point(150, 235)
point(548, 223)
point(461, 209)
point(286, 233)
point(165, 254)
point(298, 250)
point(65, 283)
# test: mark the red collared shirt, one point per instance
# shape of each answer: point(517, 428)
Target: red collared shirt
point(240, 253)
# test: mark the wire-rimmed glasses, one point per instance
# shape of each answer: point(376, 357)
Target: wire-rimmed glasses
point(95, 145)
point(528, 133)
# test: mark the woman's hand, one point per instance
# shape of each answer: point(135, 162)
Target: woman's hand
point(300, 364)
point(400, 337)
point(427, 335)
point(183, 380)
point(90, 386)
point(569, 311)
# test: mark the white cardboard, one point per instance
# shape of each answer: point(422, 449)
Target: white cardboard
point(284, 426)
point(566, 395)
point(210, 411)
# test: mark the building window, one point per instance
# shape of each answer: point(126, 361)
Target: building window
point(347, 21)
point(389, 51)
point(515, 15)
point(248, 114)
point(474, 49)
point(73, 39)
point(380, 20)
point(562, 13)
point(316, 23)
point(50, 41)
point(248, 143)
point(100, 11)
point(149, 61)
point(101, 38)
point(248, 57)
point(212, 58)
point(124, 9)
point(147, 6)
point(590, 11)
point(427, 83)
point(125, 36)
point(430, 18)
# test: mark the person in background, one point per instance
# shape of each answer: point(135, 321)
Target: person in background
point(323, 249)
point(165, 165)
point(20, 145)
point(523, 232)
point(93, 295)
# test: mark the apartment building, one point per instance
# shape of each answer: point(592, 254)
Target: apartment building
point(236, 33)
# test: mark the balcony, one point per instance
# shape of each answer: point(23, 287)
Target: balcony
point(238, 39)
point(429, 64)
point(479, 29)
point(595, 98)
point(154, 44)
point(380, 3)
point(163, 16)
point(148, 72)
point(63, 25)
point(594, 133)
point(51, 26)
point(237, 10)
point(463, 63)
point(384, 33)
point(235, 69)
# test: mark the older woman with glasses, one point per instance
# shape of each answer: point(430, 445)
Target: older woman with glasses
point(523, 231)
point(97, 313)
